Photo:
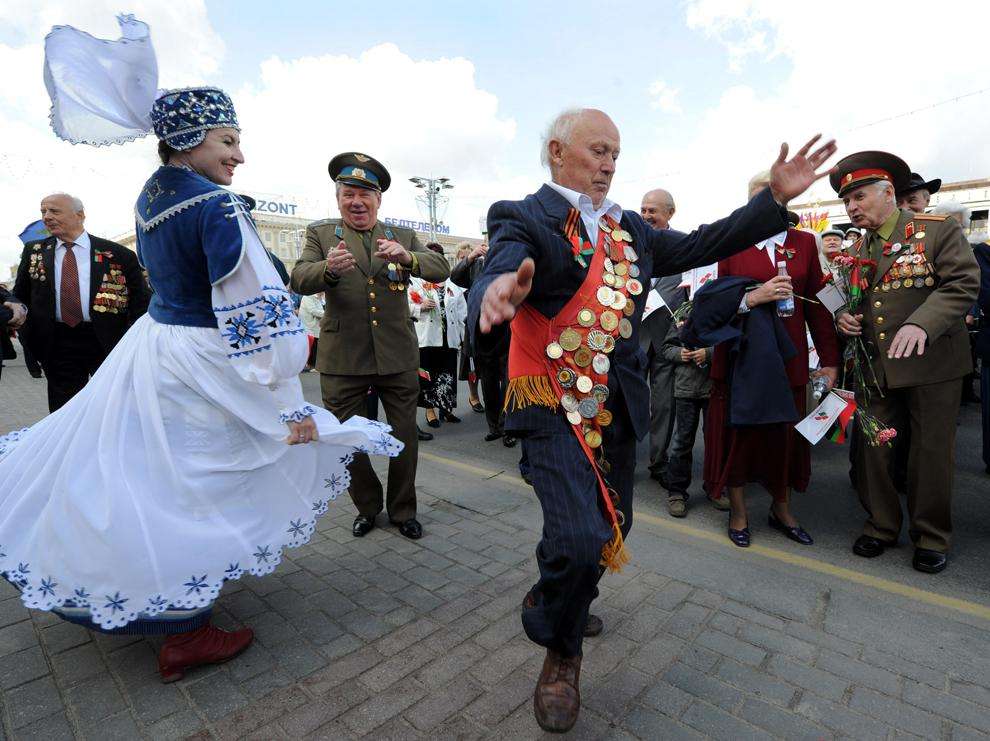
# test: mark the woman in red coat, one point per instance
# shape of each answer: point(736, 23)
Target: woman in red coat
point(774, 455)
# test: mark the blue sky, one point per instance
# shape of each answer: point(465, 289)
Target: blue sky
point(703, 92)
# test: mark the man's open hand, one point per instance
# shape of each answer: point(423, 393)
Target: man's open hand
point(504, 294)
point(790, 178)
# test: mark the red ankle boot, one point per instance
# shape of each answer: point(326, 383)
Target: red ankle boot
point(206, 645)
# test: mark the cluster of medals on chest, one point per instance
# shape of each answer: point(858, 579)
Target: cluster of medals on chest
point(911, 268)
point(580, 353)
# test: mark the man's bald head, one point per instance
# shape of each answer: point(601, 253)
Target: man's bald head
point(580, 147)
point(658, 208)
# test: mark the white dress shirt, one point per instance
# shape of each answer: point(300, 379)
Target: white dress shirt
point(84, 261)
point(771, 245)
point(589, 214)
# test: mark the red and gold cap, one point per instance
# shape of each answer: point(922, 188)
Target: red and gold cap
point(862, 168)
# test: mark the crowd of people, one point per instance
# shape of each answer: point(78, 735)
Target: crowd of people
point(573, 328)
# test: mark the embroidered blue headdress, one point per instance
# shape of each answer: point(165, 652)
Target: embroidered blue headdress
point(104, 91)
point(182, 117)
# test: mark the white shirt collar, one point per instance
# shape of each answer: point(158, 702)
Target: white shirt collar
point(771, 245)
point(582, 202)
point(81, 241)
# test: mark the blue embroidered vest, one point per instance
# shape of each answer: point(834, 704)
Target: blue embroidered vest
point(188, 239)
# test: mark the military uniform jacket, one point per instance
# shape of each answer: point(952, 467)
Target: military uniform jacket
point(117, 298)
point(366, 328)
point(939, 308)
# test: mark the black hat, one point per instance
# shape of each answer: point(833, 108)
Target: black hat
point(862, 168)
point(918, 183)
point(793, 219)
point(354, 168)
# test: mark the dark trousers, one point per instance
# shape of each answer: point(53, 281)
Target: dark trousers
point(574, 526)
point(930, 412)
point(347, 396)
point(985, 410)
point(687, 415)
point(75, 355)
point(661, 379)
point(493, 377)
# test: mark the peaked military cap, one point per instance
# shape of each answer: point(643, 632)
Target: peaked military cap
point(354, 168)
point(861, 168)
point(918, 183)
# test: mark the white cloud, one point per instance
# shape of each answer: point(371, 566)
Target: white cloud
point(664, 97)
point(918, 58)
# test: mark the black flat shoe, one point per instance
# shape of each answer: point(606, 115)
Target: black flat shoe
point(434, 423)
point(739, 537)
point(870, 547)
point(492, 436)
point(478, 407)
point(362, 526)
point(411, 529)
point(448, 417)
point(509, 441)
point(798, 534)
point(422, 434)
point(928, 561)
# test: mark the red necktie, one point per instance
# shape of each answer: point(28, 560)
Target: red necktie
point(69, 288)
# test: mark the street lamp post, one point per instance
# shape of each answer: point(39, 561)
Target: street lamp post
point(432, 198)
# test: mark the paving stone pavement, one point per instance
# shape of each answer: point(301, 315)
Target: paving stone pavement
point(387, 638)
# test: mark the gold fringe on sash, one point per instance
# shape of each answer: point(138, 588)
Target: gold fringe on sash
point(525, 391)
point(615, 555)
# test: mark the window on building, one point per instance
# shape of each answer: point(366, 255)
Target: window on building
point(978, 221)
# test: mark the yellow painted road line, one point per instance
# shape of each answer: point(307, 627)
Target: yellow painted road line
point(839, 572)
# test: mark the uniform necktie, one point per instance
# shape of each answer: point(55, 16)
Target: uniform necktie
point(69, 288)
point(366, 241)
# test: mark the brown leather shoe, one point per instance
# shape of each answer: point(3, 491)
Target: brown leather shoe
point(557, 699)
point(206, 645)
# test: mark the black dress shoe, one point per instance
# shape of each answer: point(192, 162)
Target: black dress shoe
point(798, 534)
point(478, 407)
point(739, 537)
point(594, 626)
point(35, 373)
point(434, 423)
point(422, 434)
point(448, 417)
point(362, 526)
point(869, 547)
point(509, 441)
point(411, 529)
point(931, 562)
point(493, 435)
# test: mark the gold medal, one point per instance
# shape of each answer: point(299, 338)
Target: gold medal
point(885, 287)
point(609, 344)
point(895, 285)
point(574, 418)
point(919, 235)
point(609, 280)
point(593, 438)
point(608, 320)
point(605, 296)
point(566, 378)
point(919, 269)
point(629, 308)
point(584, 384)
point(570, 339)
point(908, 282)
point(582, 357)
point(617, 234)
point(601, 364)
point(621, 268)
point(554, 351)
point(619, 300)
point(620, 282)
point(929, 281)
point(625, 329)
point(634, 287)
point(604, 418)
point(586, 317)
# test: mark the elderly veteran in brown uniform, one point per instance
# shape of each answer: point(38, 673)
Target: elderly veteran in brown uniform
point(367, 338)
point(925, 281)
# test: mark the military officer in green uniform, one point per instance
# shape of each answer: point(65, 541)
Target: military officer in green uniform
point(367, 339)
point(912, 321)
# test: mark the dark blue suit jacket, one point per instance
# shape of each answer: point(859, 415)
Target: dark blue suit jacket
point(533, 228)
point(982, 252)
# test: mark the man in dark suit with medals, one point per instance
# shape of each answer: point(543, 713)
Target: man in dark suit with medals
point(367, 339)
point(567, 267)
point(82, 294)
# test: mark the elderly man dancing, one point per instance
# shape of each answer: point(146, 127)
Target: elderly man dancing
point(567, 266)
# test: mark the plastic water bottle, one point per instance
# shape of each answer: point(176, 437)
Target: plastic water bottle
point(819, 387)
point(785, 306)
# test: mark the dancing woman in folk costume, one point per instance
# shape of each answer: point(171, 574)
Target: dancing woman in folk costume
point(184, 462)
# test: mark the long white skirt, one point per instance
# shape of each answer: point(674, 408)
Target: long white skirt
point(166, 475)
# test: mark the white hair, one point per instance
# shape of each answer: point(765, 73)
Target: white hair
point(76, 204)
point(956, 209)
point(882, 185)
point(560, 129)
